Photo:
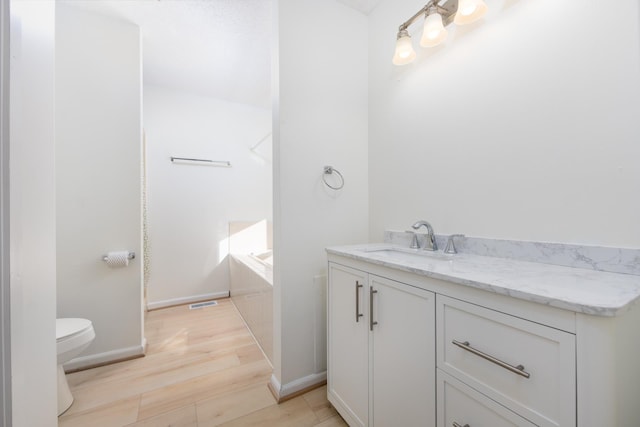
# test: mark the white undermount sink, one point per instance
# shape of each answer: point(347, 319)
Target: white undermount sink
point(399, 254)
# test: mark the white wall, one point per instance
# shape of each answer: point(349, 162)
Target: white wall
point(98, 146)
point(320, 118)
point(522, 127)
point(32, 221)
point(190, 206)
point(5, 278)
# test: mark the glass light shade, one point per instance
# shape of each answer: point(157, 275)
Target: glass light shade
point(434, 32)
point(469, 11)
point(404, 51)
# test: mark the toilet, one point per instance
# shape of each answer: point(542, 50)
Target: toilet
point(73, 336)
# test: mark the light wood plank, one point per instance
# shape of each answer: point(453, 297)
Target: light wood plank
point(292, 413)
point(181, 417)
point(91, 397)
point(203, 387)
point(215, 411)
point(115, 413)
point(226, 346)
point(335, 421)
point(317, 401)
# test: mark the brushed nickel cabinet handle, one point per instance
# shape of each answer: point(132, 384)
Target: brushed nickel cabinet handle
point(358, 314)
point(518, 370)
point(371, 322)
point(455, 424)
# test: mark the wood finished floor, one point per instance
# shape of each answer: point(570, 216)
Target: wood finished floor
point(202, 368)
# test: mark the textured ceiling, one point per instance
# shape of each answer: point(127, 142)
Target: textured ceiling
point(217, 48)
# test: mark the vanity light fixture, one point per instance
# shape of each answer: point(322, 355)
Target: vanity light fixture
point(469, 11)
point(404, 49)
point(436, 17)
point(433, 32)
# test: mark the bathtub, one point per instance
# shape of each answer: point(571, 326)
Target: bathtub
point(266, 259)
point(251, 290)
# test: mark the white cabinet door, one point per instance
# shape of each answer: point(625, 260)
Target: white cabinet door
point(403, 354)
point(347, 346)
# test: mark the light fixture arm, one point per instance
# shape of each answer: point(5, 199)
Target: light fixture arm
point(405, 25)
point(447, 10)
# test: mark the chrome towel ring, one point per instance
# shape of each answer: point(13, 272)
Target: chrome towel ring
point(328, 170)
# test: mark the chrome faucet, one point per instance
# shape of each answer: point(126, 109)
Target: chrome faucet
point(430, 239)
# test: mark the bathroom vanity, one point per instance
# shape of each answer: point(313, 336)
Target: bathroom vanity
point(419, 338)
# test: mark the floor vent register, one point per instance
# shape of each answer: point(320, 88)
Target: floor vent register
point(202, 304)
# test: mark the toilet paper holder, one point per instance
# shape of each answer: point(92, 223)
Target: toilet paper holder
point(131, 256)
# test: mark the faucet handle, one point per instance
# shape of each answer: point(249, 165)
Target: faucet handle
point(414, 240)
point(451, 247)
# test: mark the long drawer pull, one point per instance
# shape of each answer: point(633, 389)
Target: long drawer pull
point(455, 424)
point(518, 370)
point(358, 314)
point(371, 322)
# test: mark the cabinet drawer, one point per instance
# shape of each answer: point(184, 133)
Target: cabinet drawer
point(459, 403)
point(525, 366)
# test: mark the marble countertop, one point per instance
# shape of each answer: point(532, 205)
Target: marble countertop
point(576, 289)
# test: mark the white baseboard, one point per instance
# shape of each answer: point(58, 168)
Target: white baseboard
point(284, 390)
point(84, 362)
point(186, 300)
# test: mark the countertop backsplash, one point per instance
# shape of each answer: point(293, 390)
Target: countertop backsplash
point(614, 260)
